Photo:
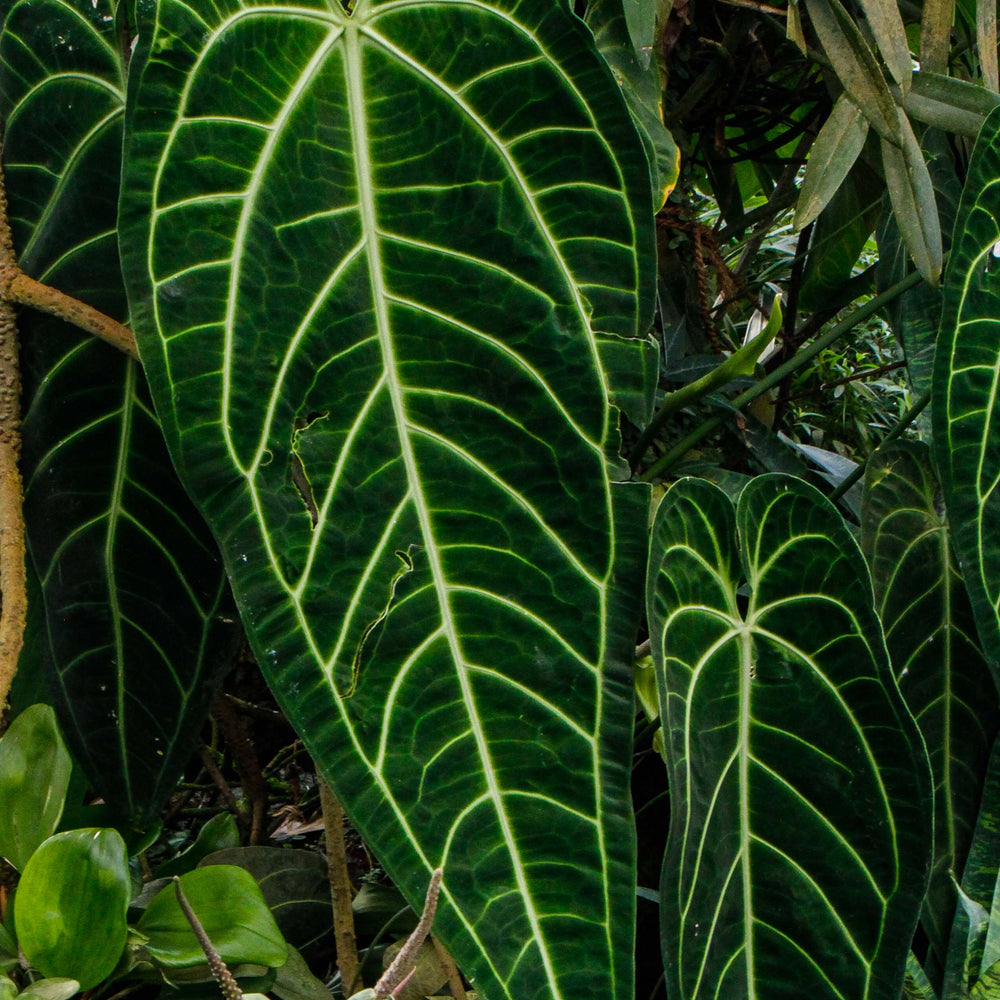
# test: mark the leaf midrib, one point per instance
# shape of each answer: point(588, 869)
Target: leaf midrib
point(366, 199)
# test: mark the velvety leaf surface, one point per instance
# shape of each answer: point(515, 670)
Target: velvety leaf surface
point(934, 652)
point(966, 373)
point(133, 587)
point(800, 815)
point(372, 260)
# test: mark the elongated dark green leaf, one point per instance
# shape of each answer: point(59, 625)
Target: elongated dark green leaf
point(371, 258)
point(855, 65)
point(934, 652)
point(133, 588)
point(913, 204)
point(966, 403)
point(890, 35)
point(915, 316)
point(800, 821)
point(837, 146)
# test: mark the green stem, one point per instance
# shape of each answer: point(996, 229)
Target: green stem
point(801, 358)
point(856, 474)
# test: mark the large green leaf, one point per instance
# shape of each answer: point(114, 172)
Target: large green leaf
point(371, 258)
point(133, 587)
point(966, 374)
point(800, 798)
point(934, 652)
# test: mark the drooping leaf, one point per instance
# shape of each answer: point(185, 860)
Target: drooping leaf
point(949, 103)
point(70, 905)
point(855, 66)
point(133, 588)
point(887, 26)
point(800, 797)
point(915, 316)
point(966, 404)
point(913, 204)
point(934, 652)
point(229, 905)
point(34, 778)
point(371, 259)
point(837, 146)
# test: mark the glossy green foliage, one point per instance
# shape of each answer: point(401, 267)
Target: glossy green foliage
point(34, 778)
point(229, 905)
point(800, 797)
point(136, 600)
point(966, 372)
point(934, 652)
point(373, 259)
point(296, 886)
point(70, 905)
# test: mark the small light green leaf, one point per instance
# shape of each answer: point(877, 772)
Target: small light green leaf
point(837, 146)
point(913, 202)
point(231, 908)
point(70, 905)
point(855, 66)
point(53, 988)
point(916, 985)
point(34, 777)
point(217, 834)
point(800, 795)
point(295, 981)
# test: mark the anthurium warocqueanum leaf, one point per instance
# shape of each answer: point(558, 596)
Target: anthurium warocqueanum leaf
point(800, 827)
point(965, 398)
point(370, 257)
point(934, 651)
point(134, 589)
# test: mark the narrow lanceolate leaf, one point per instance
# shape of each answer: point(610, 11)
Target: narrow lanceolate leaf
point(966, 374)
point(800, 796)
point(837, 146)
point(934, 653)
point(371, 257)
point(855, 65)
point(913, 204)
point(890, 35)
point(133, 588)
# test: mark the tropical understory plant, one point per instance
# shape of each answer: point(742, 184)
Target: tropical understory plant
point(400, 306)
